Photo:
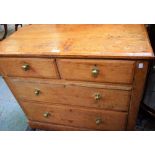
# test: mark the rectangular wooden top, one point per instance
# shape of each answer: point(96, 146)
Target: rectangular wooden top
point(79, 41)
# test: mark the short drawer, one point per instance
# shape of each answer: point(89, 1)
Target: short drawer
point(76, 117)
point(73, 93)
point(115, 71)
point(29, 67)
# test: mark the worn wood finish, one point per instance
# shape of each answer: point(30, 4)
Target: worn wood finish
point(138, 87)
point(76, 117)
point(79, 41)
point(43, 68)
point(115, 71)
point(53, 127)
point(61, 59)
point(72, 93)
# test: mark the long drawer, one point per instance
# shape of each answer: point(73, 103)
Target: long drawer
point(114, 71)
point(76, 117)
point(29, 67)
point(113, 97)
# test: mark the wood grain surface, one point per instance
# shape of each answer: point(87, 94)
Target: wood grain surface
point(54, 127)
point(92, 40)
point(76, 117)
point(137, 93)
point(72, 93)
point(61, 59)
point(114, 71)
point(38, 67)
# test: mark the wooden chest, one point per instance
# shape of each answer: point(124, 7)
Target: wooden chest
point(77, 77)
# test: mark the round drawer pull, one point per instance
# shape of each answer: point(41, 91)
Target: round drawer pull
point(97, 96)
point(37, 92)
point(95, 72)
point(26, 67)
point(98, 121)
point(46, 114)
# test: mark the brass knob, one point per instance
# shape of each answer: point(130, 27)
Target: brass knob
point(26, 67)
point(37, 92)
point(98, 121)
point(46, 114)
point(95, 72)
point(97, 96)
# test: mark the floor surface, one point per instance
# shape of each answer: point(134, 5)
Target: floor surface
point(12, 117)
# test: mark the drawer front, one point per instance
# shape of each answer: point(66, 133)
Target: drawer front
point(76, 117)
point(116, 71)
point(79, 94)
point(29, 67)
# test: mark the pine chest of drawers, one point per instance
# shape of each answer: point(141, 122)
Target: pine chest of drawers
point(77, 77)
